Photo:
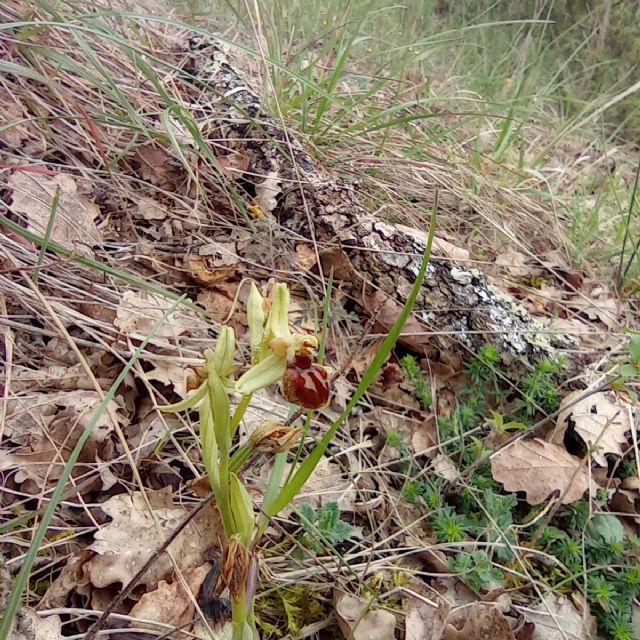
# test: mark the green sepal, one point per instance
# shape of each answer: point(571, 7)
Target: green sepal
point(261, 375)
point(187, 403)
point(209, 445)
point(241, 510)
point(224, 353)
point(255, 321)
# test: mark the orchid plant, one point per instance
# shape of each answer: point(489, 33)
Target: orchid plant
point(277, 355)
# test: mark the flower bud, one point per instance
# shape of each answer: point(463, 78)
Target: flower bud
point(241, 509)
point(274, 437)
point(235, 567)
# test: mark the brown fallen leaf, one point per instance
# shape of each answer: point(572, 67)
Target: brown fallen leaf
point(443, 466)
point(219, 301)
point(480, 622)
point(556, 618)
point(602, 420)
point(515, 263)
point(157, 166)
point(74, 225)
point(305, 257)
point(424, 621)
point(169, 603)
point(123, 545)
point(386, 311)
point(139, 311)
point(441, 246)
point(214, 263)
point(71, 577)
point(150, 209)
point(325, 485)
point(20, 130)
point(540, 469)
point(596, 302)
point(359, 621)
point(171, 374)
point(48, 425)
point(234, 164)
point(28, 625)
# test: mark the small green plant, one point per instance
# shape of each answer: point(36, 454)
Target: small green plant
point(415, 375)
point(449, 526)
point(540, 388)
point(476, 570)
point(484, 366)
point(289, 609)
point(323, 527)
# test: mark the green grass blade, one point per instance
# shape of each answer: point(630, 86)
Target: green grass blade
point(47, 235)
point(632, 200)
point(291, 489)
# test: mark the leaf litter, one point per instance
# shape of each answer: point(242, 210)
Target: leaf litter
point(212, 273)
point(541, 470)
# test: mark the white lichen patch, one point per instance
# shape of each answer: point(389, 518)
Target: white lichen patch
point(390, 258)
point(463, 276)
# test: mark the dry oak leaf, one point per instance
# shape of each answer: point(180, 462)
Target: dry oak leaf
point(540, 469)
point(325, 485)
point(386, 311)
point(132, 537)
point(169, 603)
point(157, 166)
point(170, 374)
point(602, 420)
point(29, 626)
point(150, 209)
point(215, 262)
point(480, 622)
point(359, 621)
point(556, 618)
point(233, 165)
point(305, 257)
point(139, 311)
point(425, 622)
point(74, 226)
point(49, 426)
point(599, 303)
point(441, 246)
point(20, 130)
point(71, 577)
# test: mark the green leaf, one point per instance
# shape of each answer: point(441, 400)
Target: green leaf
point(219, 400)
point(241, 509)
point(629, 370)
point(605, 528)
point(261, 375)
point(224, 352)
point(634, 350)
point(188, 402)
